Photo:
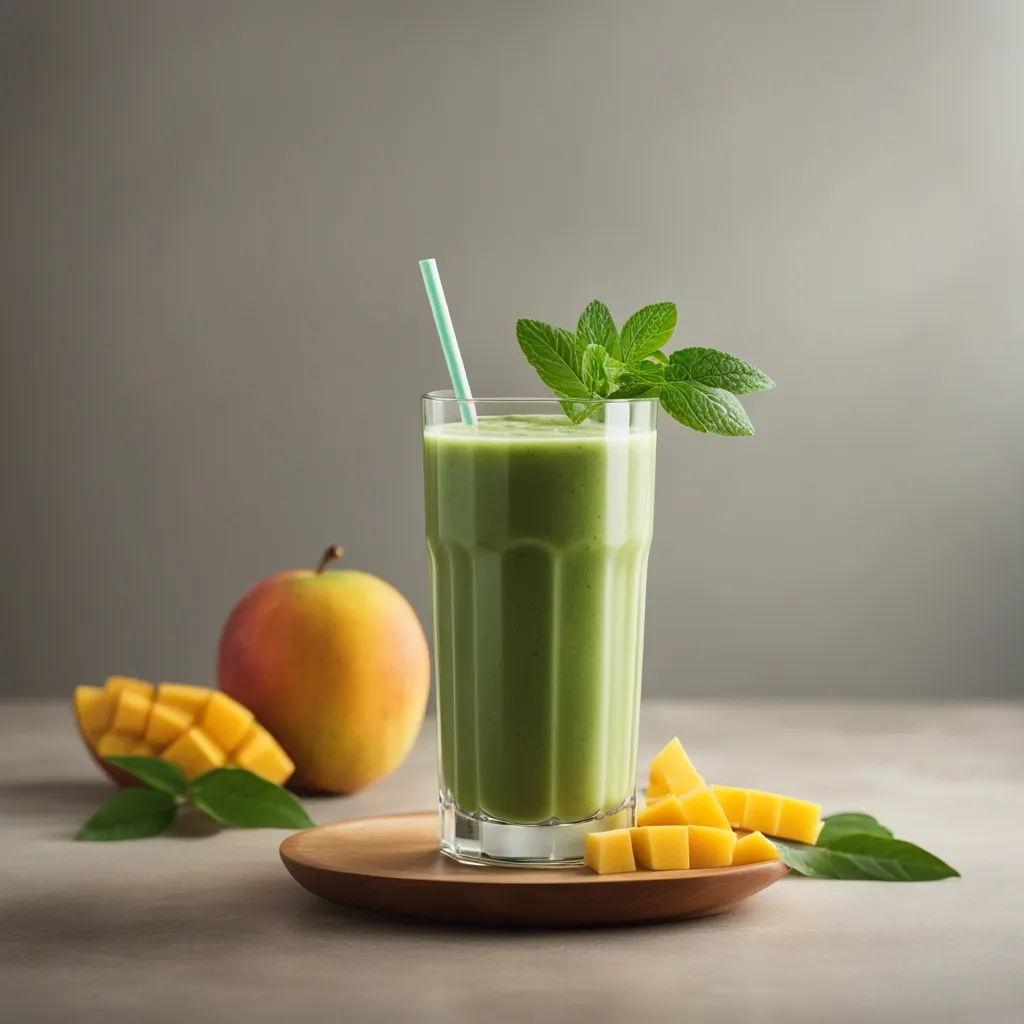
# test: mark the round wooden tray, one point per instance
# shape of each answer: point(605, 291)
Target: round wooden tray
point(392, 864)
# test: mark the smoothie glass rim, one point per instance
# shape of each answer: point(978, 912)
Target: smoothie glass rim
point(448, 396)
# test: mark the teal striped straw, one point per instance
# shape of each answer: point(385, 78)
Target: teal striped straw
point(445, 331)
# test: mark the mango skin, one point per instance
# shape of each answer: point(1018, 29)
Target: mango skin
point(336, 666)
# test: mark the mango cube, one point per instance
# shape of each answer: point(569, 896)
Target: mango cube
point(798, 819)
point(115, 743)
point(733, 802)
point(661, 848)
point(143, 749)
point(674, 766)
point(190, 699)
point(118, 684)
point(225, 721)
point(94, 707)
point(166, 724)
point(609, 852)
point(710, 847)
point(665, 812)
point(658, 787)
point(701, 808)
point(194, 753)
point(752, 849)
point(260, 753)
point(762, 812)
point(131, 712)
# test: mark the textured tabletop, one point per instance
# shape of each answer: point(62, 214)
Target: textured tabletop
point(207, 926)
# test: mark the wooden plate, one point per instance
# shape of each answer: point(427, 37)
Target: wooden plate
point(392, 864)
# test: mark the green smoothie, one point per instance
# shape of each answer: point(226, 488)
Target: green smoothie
point(539, 533)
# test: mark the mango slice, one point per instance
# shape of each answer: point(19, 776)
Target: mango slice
point(131, 713)
point(733, 802)
point(701, 808)
point(762, 812)
point(673, 769)
point(259, 752)
point(609, 852)
point(225, 721)
point(192, 726)
point(668, 811)
point(710, 847)
point(116, 685)
point(799, 820)
point(662, 848)
point(752, 849)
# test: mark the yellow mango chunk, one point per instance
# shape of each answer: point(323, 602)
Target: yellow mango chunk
point(753, 849)
point(665, 812)
point(259, 752)
point(733, 802)
point(194, 753)
point(225, 721)
point(94, 708)
point(662, 848)
point(674, 766)
point(191, 699)
point(131, 713)
point(701, 808)
point(115, 743)
point(710, 847)
point(609, 852)
point(166, 724)
point(118, 684)
point(658, 787)
point(143, 749)
point(798, 819)
point(762, 812)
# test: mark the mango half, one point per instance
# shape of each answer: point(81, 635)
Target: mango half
point(191, 726)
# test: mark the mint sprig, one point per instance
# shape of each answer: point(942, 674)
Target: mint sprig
point(858, 846)
point(697, 386)
point(232, 796)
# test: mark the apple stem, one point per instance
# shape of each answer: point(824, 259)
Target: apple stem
point(332, 554)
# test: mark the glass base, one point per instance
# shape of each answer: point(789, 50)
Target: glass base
point(477, 839)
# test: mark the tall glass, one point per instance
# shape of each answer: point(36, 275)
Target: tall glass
point(538, 532)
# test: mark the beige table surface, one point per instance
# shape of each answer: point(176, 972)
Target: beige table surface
point(204, 926)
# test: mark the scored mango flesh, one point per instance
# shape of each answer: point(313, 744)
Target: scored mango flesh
point(194, 727)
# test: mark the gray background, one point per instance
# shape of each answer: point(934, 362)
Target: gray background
point(214, 331)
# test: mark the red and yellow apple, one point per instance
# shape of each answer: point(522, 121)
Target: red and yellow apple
point(335, 664)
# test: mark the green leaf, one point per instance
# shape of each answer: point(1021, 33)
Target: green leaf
point(709, 410)
point(643, 380)
point(238, 797)
point(866, 857)
point(718, 370)
point(596, 327)
point(130, 814)
point(647, 330)
point(837, 826)
point(659, 357)
point(552, 352)
point(157, 774)
point(595, 376)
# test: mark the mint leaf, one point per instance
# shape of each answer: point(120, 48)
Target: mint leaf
point(647, 330)
point(595, 376)
point(718, 370)
point(235, 796)
point(552, 352)
point(130, 814)
point(643, 380)
point(596, 327)
point(865, 857)
point(837, 826)
point(157, 774)
point(709, 410)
